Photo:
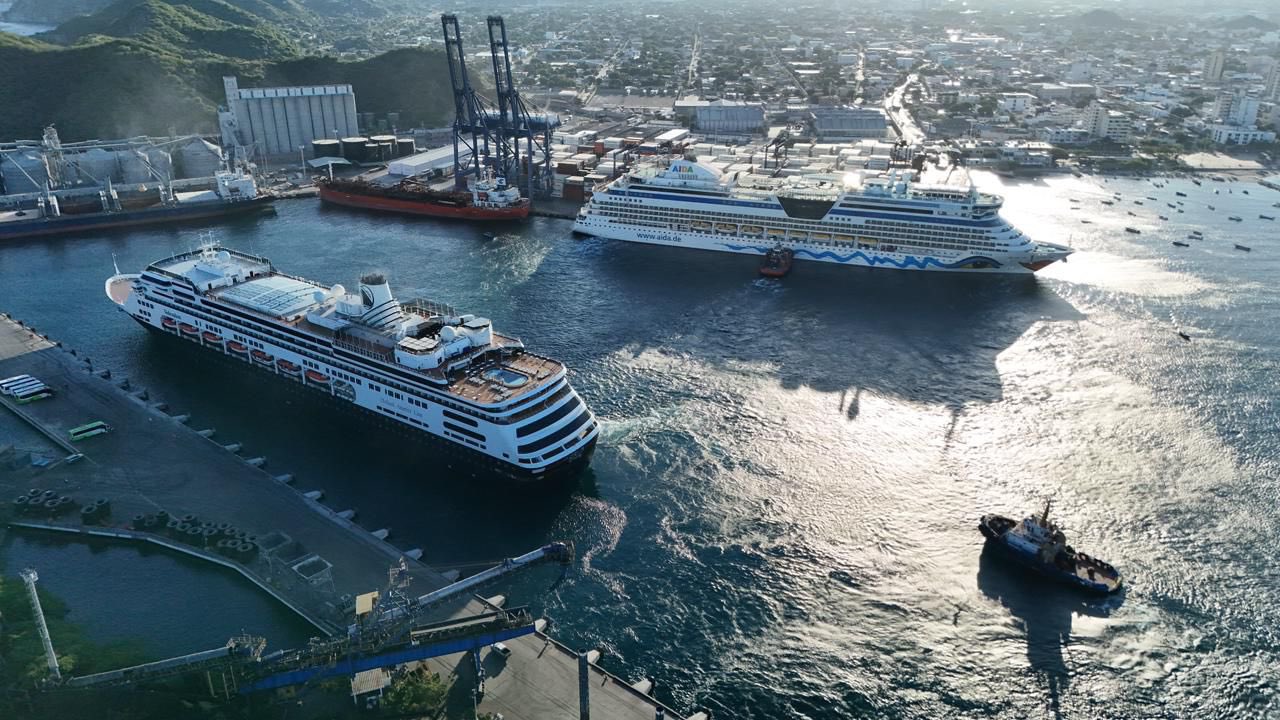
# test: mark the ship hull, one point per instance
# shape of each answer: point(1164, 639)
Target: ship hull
point(422, 207)
point(460, 456)
point(808, 252)
point(71, 224)
point(995, 529)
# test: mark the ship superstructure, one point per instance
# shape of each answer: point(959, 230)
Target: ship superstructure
point(419, 365)
point(903, 219)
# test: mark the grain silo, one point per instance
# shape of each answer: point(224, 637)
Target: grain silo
point(279, 121)
point(405, 147)
point(23, 171)
point(198, 158)
point(326, 149)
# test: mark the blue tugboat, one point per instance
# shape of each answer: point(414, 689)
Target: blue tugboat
point(1040, 545)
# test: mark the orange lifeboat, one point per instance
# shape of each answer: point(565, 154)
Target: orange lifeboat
point(262, 357)
point(189, 329)
point(287, 367)
point(237, 348)
point(212, 337)
point(168, 322)
point(315, 377)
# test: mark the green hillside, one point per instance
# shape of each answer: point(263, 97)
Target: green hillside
point(192, 27)
point(103, 88)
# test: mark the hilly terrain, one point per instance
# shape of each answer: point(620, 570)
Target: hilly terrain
point(156, 67)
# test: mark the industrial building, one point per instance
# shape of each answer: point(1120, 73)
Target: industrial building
point(831, 124)
point(278, 121)
point(48, 164)
point(722, 116)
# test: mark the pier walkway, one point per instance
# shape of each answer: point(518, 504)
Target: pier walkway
point(152, 461)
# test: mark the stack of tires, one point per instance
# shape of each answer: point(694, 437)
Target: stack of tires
point(96, 512)
point(42, 503)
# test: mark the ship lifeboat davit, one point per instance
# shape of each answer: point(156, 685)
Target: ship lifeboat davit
point(212, 337)
point(191, 330)
point(169, 323)
point(237, 348)
point(318, 378)
point(288, 368)
point(262, 357)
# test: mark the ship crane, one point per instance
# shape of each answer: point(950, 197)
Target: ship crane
point(391, 631)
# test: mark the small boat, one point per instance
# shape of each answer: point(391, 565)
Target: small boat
point(1197, 182)
point(262, 357)
point(1179, 243)
point(1275, 205)
point(1086, 222)
point(1107, 202)
point(1266, 217)
point(1179, 193)
point(1171, 205)
point(1179, 209)
point(1163, 217)
point(1197, 233)
point(1135, 231)
point(1246, 192)
point(1212, 207)
point(1245, 248)
point(1152, 199)
point(1073, 200)
point(1235, 218)
point(1132, 213)
point(1184, 336)
point(237, 347)
point(1137, 202)
point(1039, 545)
point(777, 262)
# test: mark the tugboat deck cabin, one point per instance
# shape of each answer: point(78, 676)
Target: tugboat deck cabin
point(430, 341)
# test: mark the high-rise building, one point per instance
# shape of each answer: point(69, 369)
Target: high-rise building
point(1236, 108)
point(1213, 66)
point(1101, 121)
point(1272, 91)
point(277, 121)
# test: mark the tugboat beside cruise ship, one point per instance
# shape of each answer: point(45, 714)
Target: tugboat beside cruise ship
point(444, 376)
point(901, 220)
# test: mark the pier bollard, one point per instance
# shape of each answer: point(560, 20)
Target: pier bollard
point(207, 432)
point(104, 374)
point(381, 533)
point(414, 554)
point(284, 479)
point(123, 384)
point(232, 447)
point(347, 514)
point(182, 418)
point(257, 462)
point(161, 406)
point(142, 395)
point(316, 495)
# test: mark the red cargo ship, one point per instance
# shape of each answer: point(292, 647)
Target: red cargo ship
point(487, 199)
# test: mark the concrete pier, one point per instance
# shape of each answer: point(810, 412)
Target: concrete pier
point(149, 463)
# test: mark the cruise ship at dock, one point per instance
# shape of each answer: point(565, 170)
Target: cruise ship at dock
point(903, 219)
point(424, 367)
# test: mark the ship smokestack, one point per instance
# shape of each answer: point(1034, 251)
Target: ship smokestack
point(381, 309)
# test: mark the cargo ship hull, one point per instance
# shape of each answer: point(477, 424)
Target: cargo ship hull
point(424, 207)
point(68, 224)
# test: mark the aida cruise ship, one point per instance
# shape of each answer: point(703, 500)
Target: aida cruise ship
point(905, 219)
point(444, 376)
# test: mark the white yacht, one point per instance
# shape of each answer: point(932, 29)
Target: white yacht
point(446, 376)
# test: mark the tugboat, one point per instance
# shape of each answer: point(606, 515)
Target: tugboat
point(1041, 546)
point(777, 262)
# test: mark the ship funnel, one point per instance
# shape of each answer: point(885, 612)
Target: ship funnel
point(380, 308)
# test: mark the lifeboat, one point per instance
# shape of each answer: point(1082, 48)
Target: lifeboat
point(262, 357)
point(842, 238)
point(189, 329)
point(315, 377)
point(726, 228)
point(699, 225)
point(238, 348)
point(777, 233)
point(287, 367)
point(752, 230)
point(212, 337)
point(168, 322)
point(777, 262)
point(821, 236)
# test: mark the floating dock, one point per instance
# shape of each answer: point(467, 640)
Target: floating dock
point(311, 558)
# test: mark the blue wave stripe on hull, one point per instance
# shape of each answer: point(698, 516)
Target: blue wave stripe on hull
point(909, 261)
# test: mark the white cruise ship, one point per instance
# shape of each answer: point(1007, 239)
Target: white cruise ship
point(446, 377)
point(896, 220)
